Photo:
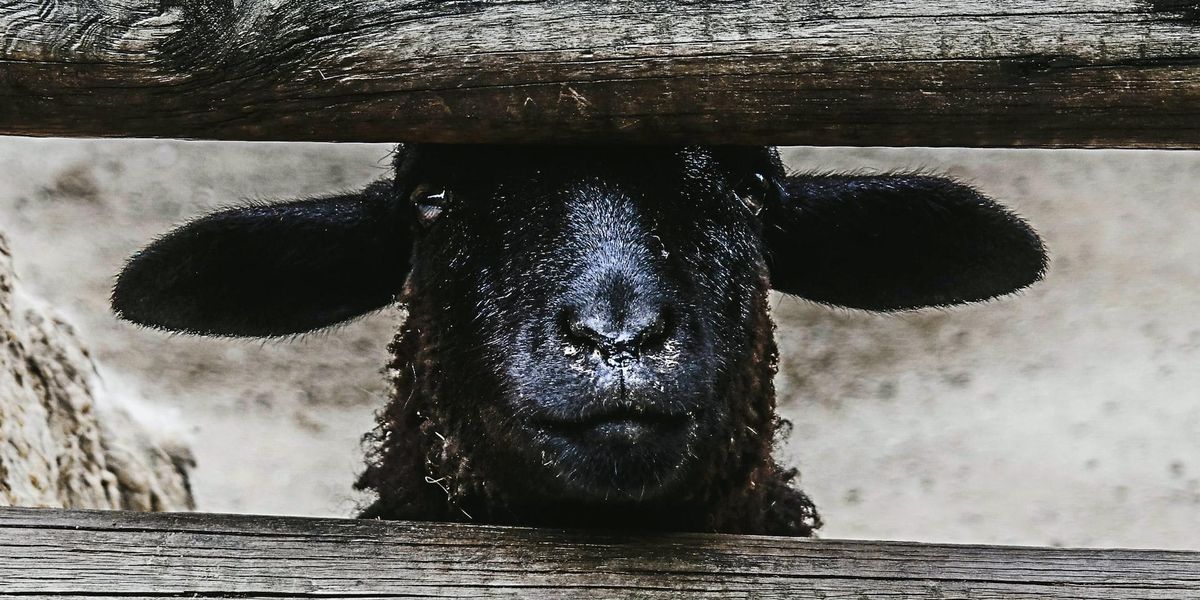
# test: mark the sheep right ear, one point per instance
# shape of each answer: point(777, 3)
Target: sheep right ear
point(896, 242)
point(272, 270)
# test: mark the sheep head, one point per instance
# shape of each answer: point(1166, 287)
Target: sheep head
point(600, 313)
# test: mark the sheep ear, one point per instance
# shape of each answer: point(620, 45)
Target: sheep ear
point(271, 270)
point(896, 242)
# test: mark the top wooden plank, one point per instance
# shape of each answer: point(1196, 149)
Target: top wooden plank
point(76, 554)
point(1020, 73)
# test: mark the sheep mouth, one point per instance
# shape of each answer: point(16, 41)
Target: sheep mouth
point(621, 425)
point(630, 452)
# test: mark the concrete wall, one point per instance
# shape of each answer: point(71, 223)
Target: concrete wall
point(1069, 415)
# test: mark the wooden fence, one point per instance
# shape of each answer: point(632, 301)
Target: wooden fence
point(1021, 73)
point(1049, 73)
point(77, 554)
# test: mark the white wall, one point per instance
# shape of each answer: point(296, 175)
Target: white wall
point(1069, 415)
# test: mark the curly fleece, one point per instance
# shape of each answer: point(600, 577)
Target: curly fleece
point(427, 461)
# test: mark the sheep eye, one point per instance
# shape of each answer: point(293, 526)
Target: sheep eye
point(431, 201)
point(751, 193)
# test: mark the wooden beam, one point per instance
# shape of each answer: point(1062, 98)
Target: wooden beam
point(1020, 73)
point(65, 554)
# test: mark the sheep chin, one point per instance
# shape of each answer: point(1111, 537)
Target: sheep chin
point(618, 458)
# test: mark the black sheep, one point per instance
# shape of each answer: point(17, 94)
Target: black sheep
point(588, 340)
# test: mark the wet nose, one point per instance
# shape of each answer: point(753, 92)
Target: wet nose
point(616, 340)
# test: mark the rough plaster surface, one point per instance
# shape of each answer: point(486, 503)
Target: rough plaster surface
point(1068, 415)
point(65, 441)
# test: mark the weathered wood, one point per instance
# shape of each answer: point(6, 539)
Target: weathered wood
point(52, 553)
point(1053, 73)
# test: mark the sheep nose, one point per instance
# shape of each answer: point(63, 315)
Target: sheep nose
point(616, 341)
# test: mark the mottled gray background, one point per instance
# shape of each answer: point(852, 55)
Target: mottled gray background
point(1068, 415)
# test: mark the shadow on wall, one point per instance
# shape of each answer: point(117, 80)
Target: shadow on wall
point(1068, 415)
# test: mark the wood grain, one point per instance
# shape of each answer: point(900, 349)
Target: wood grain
point(1045, 73)
point(63, 554)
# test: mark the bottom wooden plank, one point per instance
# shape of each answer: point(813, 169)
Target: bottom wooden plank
point(62, 554)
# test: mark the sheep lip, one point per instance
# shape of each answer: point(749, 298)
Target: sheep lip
point(614, 421)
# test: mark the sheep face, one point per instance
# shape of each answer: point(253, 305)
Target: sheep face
point(592, 303)
point(585, 324)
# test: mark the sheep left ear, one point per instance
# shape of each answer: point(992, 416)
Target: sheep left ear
point(268, 270)
point(897, 242)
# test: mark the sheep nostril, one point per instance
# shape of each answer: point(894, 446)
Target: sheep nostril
point(577, 334)
point(653, 335)
point(614, 343)
point(584, 336)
